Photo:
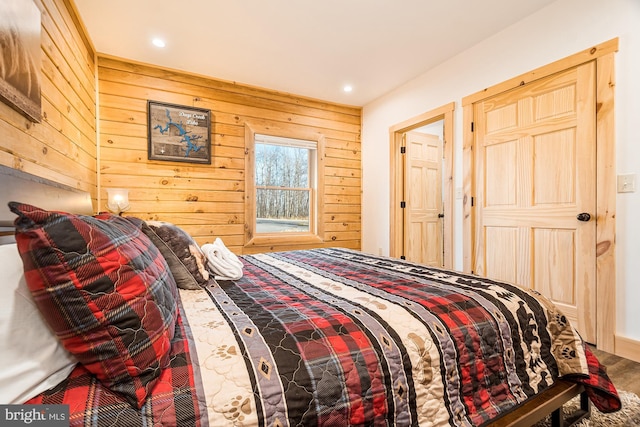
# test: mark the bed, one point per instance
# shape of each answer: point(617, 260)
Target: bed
point(138, 332)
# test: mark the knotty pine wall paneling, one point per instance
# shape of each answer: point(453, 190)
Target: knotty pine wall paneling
point(208, 200)
point(62, 147)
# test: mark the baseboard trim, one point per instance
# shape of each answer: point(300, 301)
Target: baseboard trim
point(627, 348)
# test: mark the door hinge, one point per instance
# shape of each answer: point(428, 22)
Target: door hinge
point(403, 205)
point(471, 126)
point(403, 150)
point(441, 215)
point(472, 202)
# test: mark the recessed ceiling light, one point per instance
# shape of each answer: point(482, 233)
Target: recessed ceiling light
point(347, 88)
point(158, 42)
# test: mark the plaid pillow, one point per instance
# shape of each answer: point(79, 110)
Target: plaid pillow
point(105, 290)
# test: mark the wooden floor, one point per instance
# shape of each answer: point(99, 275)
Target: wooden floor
point(624, 373)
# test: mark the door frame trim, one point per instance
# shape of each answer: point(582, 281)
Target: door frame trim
point(603, 54)
point(396, 221)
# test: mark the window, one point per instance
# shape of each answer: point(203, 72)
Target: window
point(283, 195)
point(284, 179)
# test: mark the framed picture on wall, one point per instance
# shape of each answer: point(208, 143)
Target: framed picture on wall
point(178, 133)
point(20, 60)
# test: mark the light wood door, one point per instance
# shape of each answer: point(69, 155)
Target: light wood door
point(423, 197)
point(535, 163)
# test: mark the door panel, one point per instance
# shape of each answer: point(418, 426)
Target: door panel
point(502, 264)
point(423, 192)
point(555, 161)
point(501, 181)
point(554, 265)
point(535, 172)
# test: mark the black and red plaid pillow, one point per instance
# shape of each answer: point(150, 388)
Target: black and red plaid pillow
point(106, 291)
point(176, 399)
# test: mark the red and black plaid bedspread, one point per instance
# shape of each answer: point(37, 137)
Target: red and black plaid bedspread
point(336, 337)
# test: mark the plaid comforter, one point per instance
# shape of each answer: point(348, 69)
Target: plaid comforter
point(336, 337)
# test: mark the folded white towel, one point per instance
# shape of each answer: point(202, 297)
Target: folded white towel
point(223, 263)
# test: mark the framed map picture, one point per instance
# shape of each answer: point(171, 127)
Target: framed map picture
point(179, 133)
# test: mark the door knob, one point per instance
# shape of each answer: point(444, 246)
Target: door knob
point(583, 217)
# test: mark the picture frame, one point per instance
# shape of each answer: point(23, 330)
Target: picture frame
point(20, 57)
point(178, 133)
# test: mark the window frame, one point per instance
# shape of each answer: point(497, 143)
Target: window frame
point(315, 235)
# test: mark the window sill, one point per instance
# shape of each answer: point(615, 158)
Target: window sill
point(283, 239)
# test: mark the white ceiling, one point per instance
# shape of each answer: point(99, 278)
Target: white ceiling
point(305, 47)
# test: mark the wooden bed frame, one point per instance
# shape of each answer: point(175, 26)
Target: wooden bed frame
point(548, 402)
point(22, 187)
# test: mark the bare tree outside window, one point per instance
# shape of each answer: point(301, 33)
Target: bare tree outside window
point(284, 181)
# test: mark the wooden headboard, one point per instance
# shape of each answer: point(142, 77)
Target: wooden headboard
point(22, 187)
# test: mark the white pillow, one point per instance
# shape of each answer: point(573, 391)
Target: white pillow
point(32, 359)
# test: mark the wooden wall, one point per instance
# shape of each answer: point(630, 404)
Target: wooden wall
point(208, 200)
point(63, 146)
